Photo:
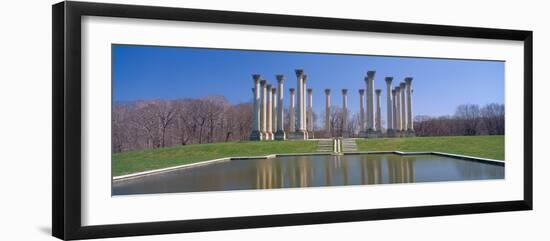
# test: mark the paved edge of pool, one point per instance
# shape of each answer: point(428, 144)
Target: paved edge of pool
point(168, 169)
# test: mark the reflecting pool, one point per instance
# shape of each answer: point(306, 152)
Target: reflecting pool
point(311, 171)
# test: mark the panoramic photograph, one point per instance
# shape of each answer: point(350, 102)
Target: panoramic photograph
point(187, 119)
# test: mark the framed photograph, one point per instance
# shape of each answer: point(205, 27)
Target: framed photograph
point(169, 120)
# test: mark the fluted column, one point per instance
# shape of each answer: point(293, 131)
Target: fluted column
point(361, 110)
point(300, 99)
point(394, 110)
point(264, 110)
point(280, 134)
point(370, 100)
point(327, 110)
point(378, 111)
point(344, 111)
point(403, 107)
point(274, 113)
point(255, 134)
point(389, 107)
point(269, 117)
point(408, 82)
point(304, 106)
point(292, 111)
point(310, 110)
point(398, 108)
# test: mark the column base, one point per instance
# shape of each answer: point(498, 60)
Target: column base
point(280, 135)
point(298, 135)
point(256, 136)
point(390, 133)
point(269, 136)
point(410, 133)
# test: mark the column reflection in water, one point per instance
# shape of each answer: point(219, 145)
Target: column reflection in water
point(310, 171)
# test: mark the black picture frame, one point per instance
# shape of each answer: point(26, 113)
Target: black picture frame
point(66, 75)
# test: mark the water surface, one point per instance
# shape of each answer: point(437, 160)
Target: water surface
point(311, 171)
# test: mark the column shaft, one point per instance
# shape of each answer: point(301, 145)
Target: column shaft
point(269, 116)
point(256, 111)
point(370, 100)
point(274, 114)
point(378, 111)
point(362, 110)
point(389, 103)
point(403, 106)
point(408, 82)
point(292, 111)
point(264, 110)
point(398, 108)
point(394, 112)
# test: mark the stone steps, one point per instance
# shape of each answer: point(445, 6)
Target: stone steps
point(324, 145)
point(349, 145)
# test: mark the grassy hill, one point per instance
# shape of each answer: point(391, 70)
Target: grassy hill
point(480, 146)
point(138, 161)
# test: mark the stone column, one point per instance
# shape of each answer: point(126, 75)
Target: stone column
point(361, 110)
point(264, 110)
point(300, 99)
point(389, 107)
point(403, 106)
point(304, 107)
point(370, 100)
point(327, 110)
point(310, 110)
point(292, 111)
point(280, 134)
point(274, 114)
point(256, 134)
point(398, 108)
point(378, 111)
point(344, 111)
point(394, 110)
point(269, 117)
point(410, 127)
point(300, 131)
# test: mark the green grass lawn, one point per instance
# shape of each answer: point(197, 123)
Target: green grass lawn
point(479, 146)
point(138, 161)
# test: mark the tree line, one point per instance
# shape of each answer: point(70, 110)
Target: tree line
point(147, 124)
point(160, 123)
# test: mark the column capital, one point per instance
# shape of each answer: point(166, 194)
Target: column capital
point(370, 75)
point(402, 85)
point(310, 91)
point(344, 91)
point(327, 91)
point(256, 77)
point(378, 92)
point(268, 86)
point(292, 90)
point(273, 90)
point(393, 91)
point(396, 88)
point(299, 72)
point(263, 82)
point(389, 79)
point(361, 91)
point(280, 78)
point(408, 80)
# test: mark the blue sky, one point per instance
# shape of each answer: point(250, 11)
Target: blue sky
point(148, 72)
